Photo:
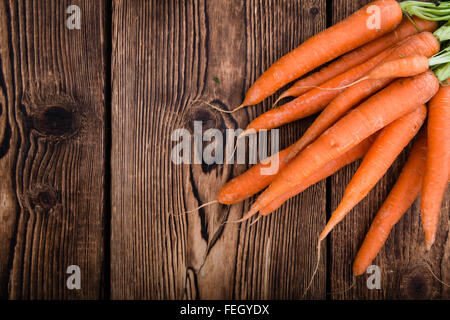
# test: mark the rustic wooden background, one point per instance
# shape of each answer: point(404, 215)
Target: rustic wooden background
point(85, 172)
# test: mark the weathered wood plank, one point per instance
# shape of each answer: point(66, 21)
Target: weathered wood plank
point(404, 272)
point(279, 251)
point(165, 57)
point(52, 108)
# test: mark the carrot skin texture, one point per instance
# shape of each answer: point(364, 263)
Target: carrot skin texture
point(314, 100)
point(251, 181)
point(331, 43)
point(438, 158)
point(424, 43)
point(317, 99)
point(334, 111)
point(360, 55)
point(401, 197)
point(330, 168)
point(372, 115)
point(388, 145)
point(402, 67)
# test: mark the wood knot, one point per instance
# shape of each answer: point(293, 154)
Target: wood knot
point(417, 284)
point(43, 199)
point(202, 113)
point(208, 126)
point(55, 121)
point(314, 11)
point(46, 200)
point(54, 116)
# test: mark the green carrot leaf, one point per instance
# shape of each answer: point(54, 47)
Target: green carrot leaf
point(443, 33)
point(427, 10)
point(443, 72)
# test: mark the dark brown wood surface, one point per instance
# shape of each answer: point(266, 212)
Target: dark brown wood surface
point(52, 109)
point(165, 58)
point(113, 203)
point(182, 47)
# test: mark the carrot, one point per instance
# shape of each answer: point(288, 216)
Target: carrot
point(403, 67)
point(315, 99)
point(334, 111)
point(359, 55)
point(330, 168)
point(424, 43)
point(252, 181)
point(403, 96)
point(331, 43)
point(438, 158)
point(399, 68)
point(401, 197)
point(388, 145)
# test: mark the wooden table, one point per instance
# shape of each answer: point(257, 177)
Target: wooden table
point(86, 178)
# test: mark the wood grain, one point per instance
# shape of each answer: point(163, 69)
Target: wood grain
point(403, 260)
point(170, 58)
point(165, 57)
point(52, 111)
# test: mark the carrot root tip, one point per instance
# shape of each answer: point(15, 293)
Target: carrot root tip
point(246, 216)
point(430, 270)
point(220, 109)
point(196, 209)
point(254, 222)
point(335, 88)
point(238, 108)
point(316, 268)
point(241, 135)
point(282, 96)
point(345, 290)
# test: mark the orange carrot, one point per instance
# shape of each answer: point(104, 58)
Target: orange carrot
point(316, 99)
point(335, 110)
point(359, 55)
point(402, 67)
point(330, 168)
point(331, 43)
point(437, 168)
point(388, 145)
point(252, 181)
point(399, 68)
point(393, 102)
point(424, 43)
point(401, 197)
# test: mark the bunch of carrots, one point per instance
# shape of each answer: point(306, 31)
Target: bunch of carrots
point(374, 97)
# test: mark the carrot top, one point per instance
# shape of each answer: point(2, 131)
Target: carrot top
point(443, 33)
point(440, 64)
point(434, 11)
point(427, 10)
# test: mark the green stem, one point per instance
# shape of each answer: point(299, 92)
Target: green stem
point(440, 58)
point(443, 33)
point(418, 4)
point(440, 64)
point(442, 72)
point(434, 11)
point(427, 10)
